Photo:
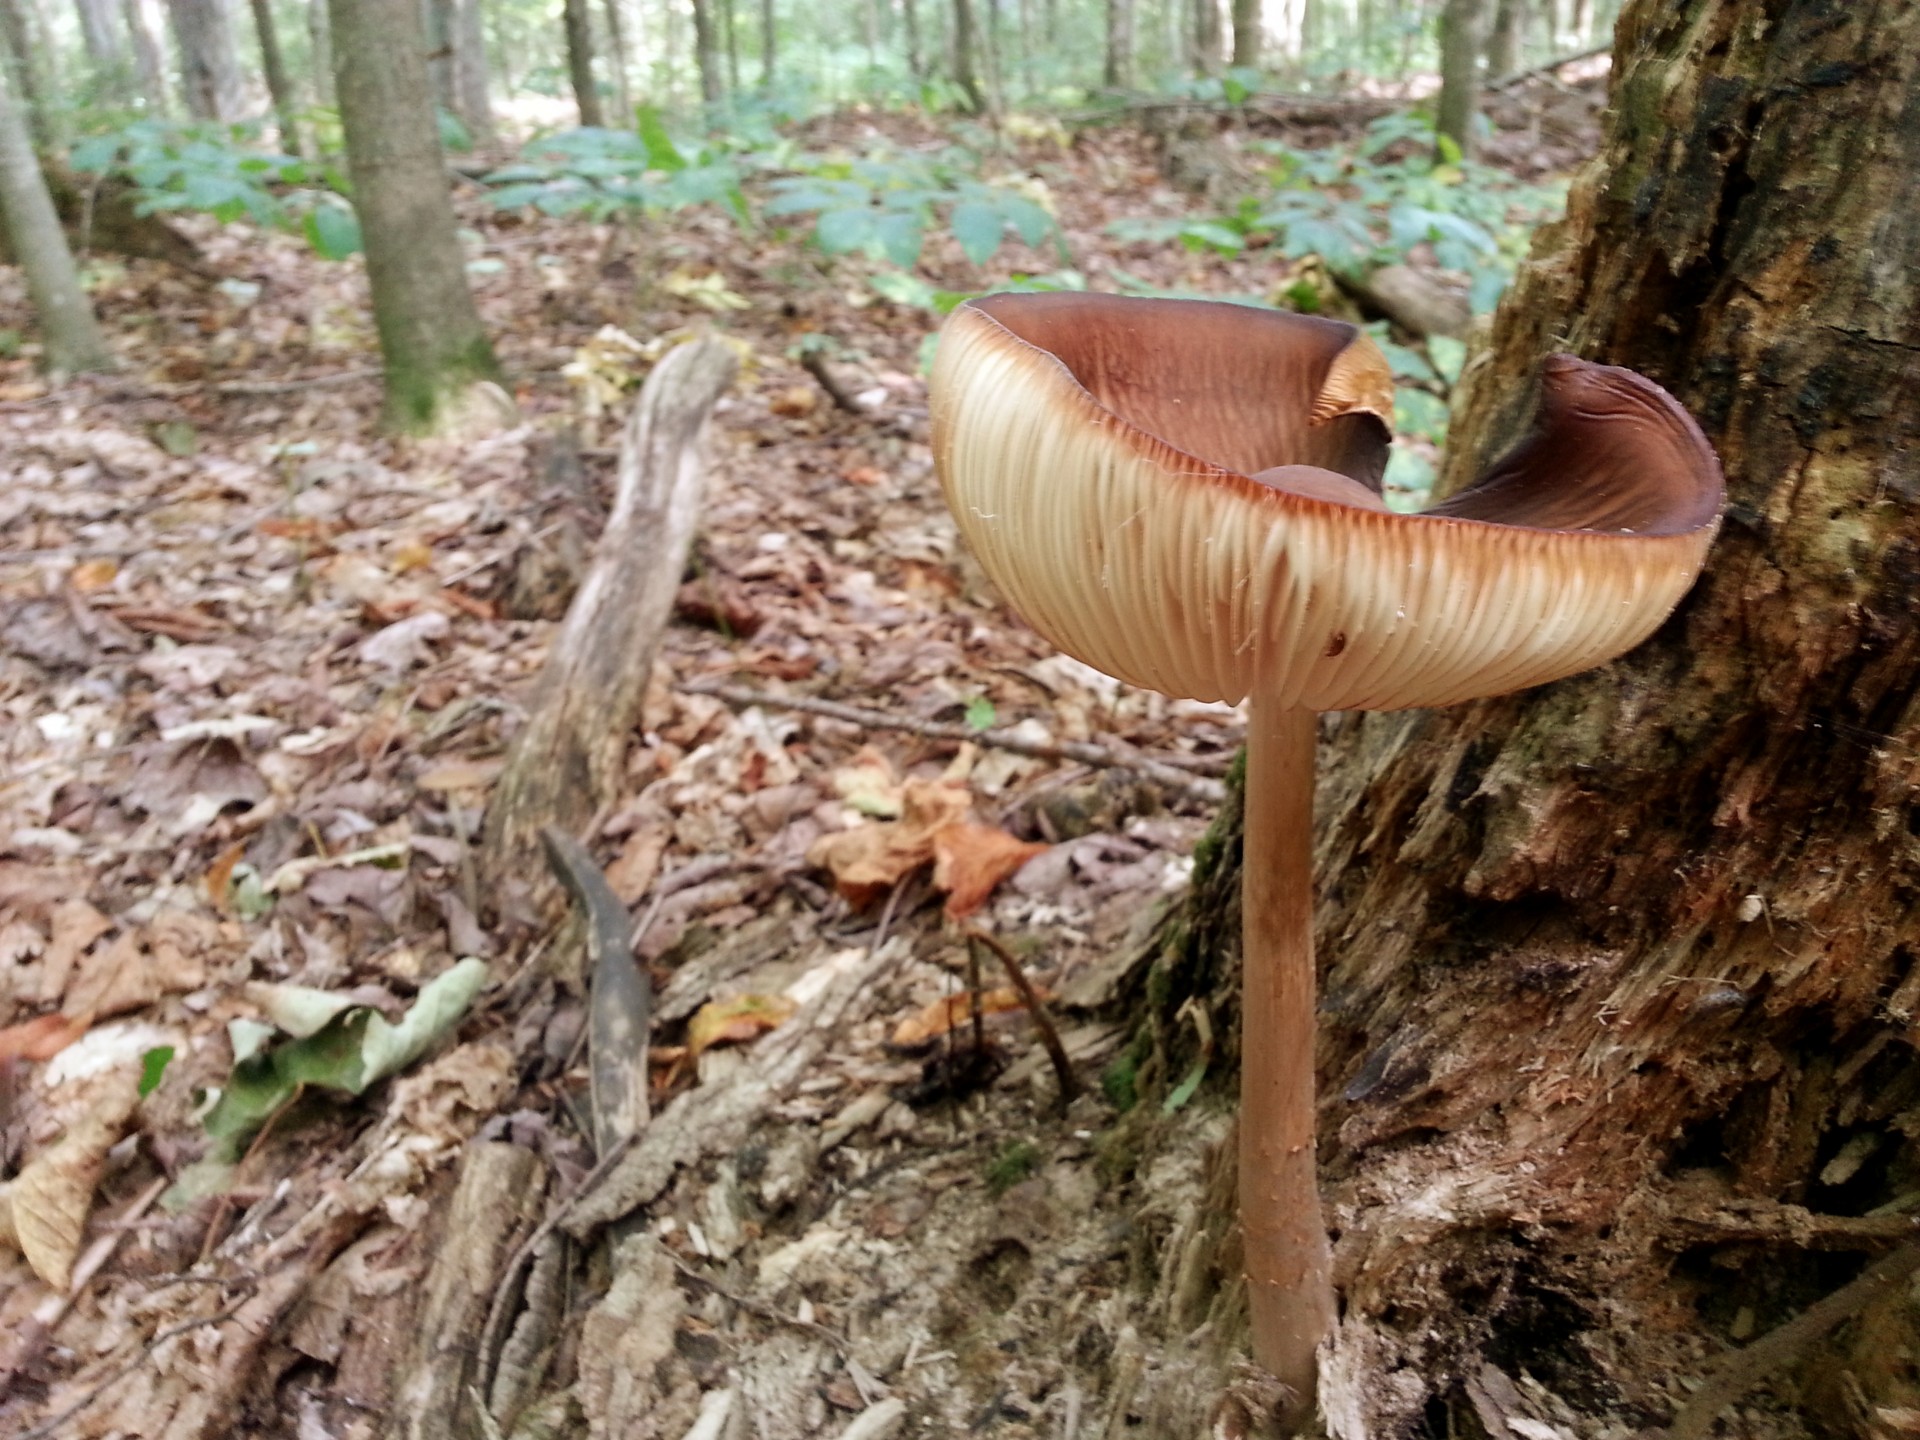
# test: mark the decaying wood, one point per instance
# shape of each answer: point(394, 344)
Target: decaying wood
point(101, 214)
point(716, 1119)
point(496, 1200)
point(1775, 1351)
point(619, 998)
point(1581, 942)
point(1411, 299)
point(565, 761)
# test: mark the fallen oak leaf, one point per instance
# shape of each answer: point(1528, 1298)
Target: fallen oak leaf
point(869, 860)
point(42, 1037)
point(950, 1012)
point(970, 860)
point(738, 1020)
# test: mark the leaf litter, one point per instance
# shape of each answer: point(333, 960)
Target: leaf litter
point(260, 668)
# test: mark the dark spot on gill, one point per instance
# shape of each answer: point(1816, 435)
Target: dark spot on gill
point(1337, 643)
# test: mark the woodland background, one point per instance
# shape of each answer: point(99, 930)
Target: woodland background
point(307, 450)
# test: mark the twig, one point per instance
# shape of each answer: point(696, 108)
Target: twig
point(54, 1422)
point(1201, 788)
point(815, 364)
point(765, 1312)
point(1507, 82)
point(1736, 1373)
point(1036, 1007)
point(491, 1337)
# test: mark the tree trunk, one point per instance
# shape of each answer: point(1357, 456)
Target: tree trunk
point(617, 53)
point(101, 39)
point(1119, 69)
point(769, 45)
point(1246, 33)
point(1461, 23)
point(706, 53)
point(1619, 972)
point(586, 93)
point(966, 72)
point(1206, 37)
point(209, 66)
point(320, 38)
point(727, 18)
point(286, 104)
point(70, 339)
point(910, 14)
point(24, 76)
point(431, 340)
point(472, 103)
point(1503, 38)
point(148, 68)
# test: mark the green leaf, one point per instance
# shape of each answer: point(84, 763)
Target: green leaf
point(980, 713)
point(333, 231)
point(1184, 1091)
point(153, 1064)
point(351, 1050)
point(978, 227)
point(898, 236)
point(1449, 149)
point(841, 231)
point(662, 153)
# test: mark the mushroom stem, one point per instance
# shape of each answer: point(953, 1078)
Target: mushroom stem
point(1288, 1261)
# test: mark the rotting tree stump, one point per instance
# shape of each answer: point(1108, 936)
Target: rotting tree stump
point(1605, 959)
point(565, 762)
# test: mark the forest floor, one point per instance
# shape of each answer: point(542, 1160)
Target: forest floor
point(257, 672)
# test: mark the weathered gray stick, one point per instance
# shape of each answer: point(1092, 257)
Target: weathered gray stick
point(565, 761)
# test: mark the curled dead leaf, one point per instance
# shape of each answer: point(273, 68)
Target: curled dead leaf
point(736, 1020)
point(870, 860)
point(52, 1196)
point(42, 1037)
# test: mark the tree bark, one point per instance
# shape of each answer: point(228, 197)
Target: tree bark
point(617, 46)
point(320, 38)
point(24, 76)
point(1503, 38)
point(148, 68)
point(769, 44)
point(1119, 68)
point(101, 40)
point(472, 103)
point(1206, 37)
point(1246, 33)
point(566, 761)
point(910, 15)
point(70, 338)
point(706, 53)
point(586, 93)
point(1603, 959)
point(209, 66)
point(1461, 24)
point(966, 72)
point(286, 103)
point(431, 340)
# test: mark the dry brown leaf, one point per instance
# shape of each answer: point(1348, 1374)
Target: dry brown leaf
point(112, 980)
point(951, 1012)
point(220, 875)
point(91, 576)
point(460, 774)
point(969, 860)
point(40, 1038)
point(52, 1196)
point(868, 783)
point(737, 1020)
point(633, 870)
point(870, 860)
point(76, 925)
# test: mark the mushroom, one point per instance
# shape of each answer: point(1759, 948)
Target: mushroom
point(1186, 495)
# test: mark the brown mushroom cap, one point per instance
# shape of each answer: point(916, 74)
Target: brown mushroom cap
point(1182, 494)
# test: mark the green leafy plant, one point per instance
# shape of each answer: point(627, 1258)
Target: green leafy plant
point(213, 170)
point(597, 173)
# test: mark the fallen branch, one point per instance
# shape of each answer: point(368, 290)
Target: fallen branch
point(815, 364)
point(620, 995)
point(1737, 1373)
point(1036, 1007)
point(1202, 788)
point(566, 761)
point(1518, 77)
